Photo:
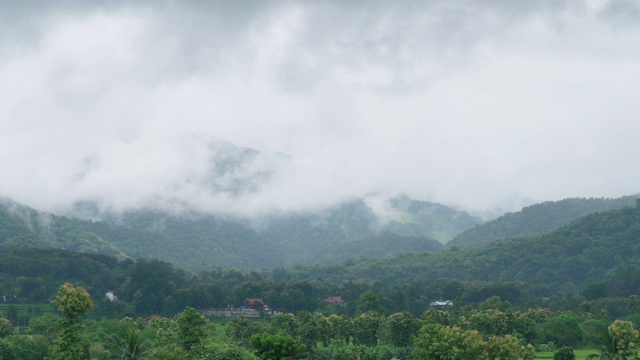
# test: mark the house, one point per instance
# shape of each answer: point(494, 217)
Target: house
point(441, 303)
point(111, 296)
point(334, 300)
point(153, 317)
point(263, 305)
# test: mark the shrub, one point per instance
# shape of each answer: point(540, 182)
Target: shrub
point(565, 353)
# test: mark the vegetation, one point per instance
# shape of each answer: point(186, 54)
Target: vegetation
point(195, 241)
point(537, 219)
point(574, 287)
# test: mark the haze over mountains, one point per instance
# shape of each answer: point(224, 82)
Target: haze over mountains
point(200, 240)
point(354, 229)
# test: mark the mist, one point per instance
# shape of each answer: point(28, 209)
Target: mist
point(481, 105)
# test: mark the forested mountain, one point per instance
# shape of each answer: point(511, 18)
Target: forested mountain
point(537, 219)
point(599, 251)
point(598, 248)
point(198, 241)
point(381, 246)
point(423, 218)
point(23, 226)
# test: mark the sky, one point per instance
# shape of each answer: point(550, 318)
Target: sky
point(482, 105)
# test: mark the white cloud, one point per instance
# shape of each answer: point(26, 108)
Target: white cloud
point(461, 102)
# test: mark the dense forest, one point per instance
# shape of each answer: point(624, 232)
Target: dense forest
point(537, 219)
point(511, 297)
point(197, 241)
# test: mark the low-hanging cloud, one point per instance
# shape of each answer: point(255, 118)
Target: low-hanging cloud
point(463, 102)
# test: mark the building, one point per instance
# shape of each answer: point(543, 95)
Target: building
point(334, 300)
point(441, 303)
point(111, 296)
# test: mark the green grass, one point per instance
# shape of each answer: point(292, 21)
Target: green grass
point(581, 354)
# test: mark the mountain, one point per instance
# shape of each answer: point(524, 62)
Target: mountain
point(201, 241)
point(537, 219)
point(23, 226)
point(423, 218)
point(600, 248)
point(197, 241)
point(381, 246)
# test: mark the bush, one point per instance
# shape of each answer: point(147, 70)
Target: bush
point(565, 353)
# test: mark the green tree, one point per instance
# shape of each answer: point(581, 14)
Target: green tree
point(402, 328)
point(365, 328)
point(6, 328)
point(18, 347)
point(565, 353)
point(563, 329)
point(48, 325)
point(192, 327)
point(438, 342)
point(12, 313)
point(490, 322)
point(71, 302)
point(619, 342)
point(133, 346)
point(222, 351)
point(278, 346)
point(369, 302)
point(285, 323)
point(239, 329)
point(435, 316)
point(503, 348)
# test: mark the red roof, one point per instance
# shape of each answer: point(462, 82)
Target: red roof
point(334, 300)
point(153, 317)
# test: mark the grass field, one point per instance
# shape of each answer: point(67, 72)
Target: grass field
point(581, 354)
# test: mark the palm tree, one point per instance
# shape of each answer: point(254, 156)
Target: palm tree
point(608, 346)
point(133, 347)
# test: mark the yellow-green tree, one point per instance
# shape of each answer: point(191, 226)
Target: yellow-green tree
point(438, 342)
point(72, 302)
point(6, 328)
point(620, 341)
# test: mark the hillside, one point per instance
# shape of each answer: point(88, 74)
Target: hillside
point(598, 248)
point(599, 251)
point(424, 218)
point(382, 246)
point(197, 241)
point(23, 226)
point(537, 219)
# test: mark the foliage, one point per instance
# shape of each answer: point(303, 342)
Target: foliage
point(278, 346)
point(365, 328)
point(71, 302)
point(563, 330)
point(435, 316)
point(186, 241)
point(502, 347)
point(192, 328)
point(240, 329)
point(620, 341)
point(385, 245)
point(537, 219)
point(222, 351)
point(341, 351)
point(18, 347)
point(6, 328)
point(133, 346)
point(564, 353)
point(437, 342)
point(402, 328)
point(370, 302)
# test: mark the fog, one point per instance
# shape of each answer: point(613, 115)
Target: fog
point(481, 105)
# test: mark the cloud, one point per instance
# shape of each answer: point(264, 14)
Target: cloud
point(461, 102)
